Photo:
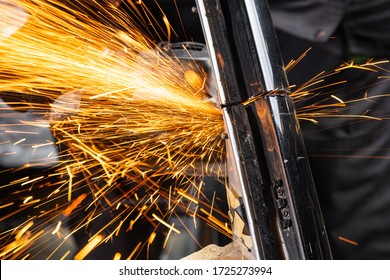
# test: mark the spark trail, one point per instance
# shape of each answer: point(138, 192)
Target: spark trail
point(123, 115)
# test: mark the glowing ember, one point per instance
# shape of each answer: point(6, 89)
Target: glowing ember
point(89, 247)
point(348, 241)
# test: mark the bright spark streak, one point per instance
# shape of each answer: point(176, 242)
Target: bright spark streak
point(168, 25)
point(168, 235)
point(24, 230)
point(74, 205)
point(27, 199)
point(7, 205)
point(110, 92)
point(212, 205)
point(153, 236)
point(20, 141)
point(65, 255)
point(166, 224)
point(21, 132)
point(57, 228)
point(89, 247)
point(216, 221)
point(182, 193)
point(117, 256)
point(134, 251)
point(32, 180)
point(337, 98)
point(348, 241)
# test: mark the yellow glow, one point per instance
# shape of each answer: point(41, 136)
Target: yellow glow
point(88, 248)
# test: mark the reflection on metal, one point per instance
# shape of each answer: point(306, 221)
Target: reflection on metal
point(298, 211)
point(273, 205)
point(12, 18)
point(26, 139)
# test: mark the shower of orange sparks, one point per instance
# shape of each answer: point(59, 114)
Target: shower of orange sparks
point(140, 117)
point(122, 112)
point(315, 87)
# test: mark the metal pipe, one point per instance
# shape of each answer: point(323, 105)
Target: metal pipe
point(248, 67)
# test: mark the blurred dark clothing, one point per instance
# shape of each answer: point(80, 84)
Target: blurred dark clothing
point(350, 158)
point(365, 23)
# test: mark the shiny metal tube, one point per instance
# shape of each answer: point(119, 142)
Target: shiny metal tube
point(299, 216)
point(248, 67)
